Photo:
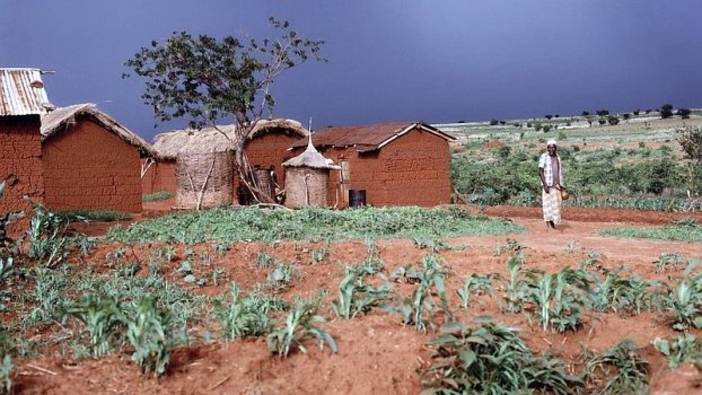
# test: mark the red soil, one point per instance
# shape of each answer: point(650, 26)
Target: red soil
point(377, 354)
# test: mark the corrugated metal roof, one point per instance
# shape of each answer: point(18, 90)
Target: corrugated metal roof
point(22, 92)
point(367, 137)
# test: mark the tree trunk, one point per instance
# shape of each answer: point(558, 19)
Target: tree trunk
point(245, 172)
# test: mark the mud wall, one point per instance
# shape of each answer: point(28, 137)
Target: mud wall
point(160, 177)
point(411, 170)
point(20, 167)
point(87, 167)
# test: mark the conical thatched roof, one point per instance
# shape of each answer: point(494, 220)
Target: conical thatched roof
point(169, 144)
point(63, 118)
point(311, 158)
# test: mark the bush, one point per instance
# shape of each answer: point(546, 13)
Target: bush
point(547, 128)
point(684, 113)
point(602, 121)
point(602, 113)
point(494, 122)
point(666, 111)
point(613, 120)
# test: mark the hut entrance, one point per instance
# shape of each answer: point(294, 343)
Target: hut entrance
point(204, 180)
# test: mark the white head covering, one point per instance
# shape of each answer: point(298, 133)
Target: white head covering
point(551, 142)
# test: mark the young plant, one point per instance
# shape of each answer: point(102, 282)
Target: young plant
point(264, 260)
point(593, 261)
point(103, 317)
point(618, 370)
point(667, 261)
point(47, 236)
point(475, 284)
point(511, 246)
point(685, 300)
point(6, 375)
point(356, 297)
point(517, 288)
point(281, 276)
point(492, 359)
point(429, 295)
point(629, 294)
point(299, 325)
point(560, 298)
point(682, 349)
point(149, 331)
point(241, 317)
point(319, 255)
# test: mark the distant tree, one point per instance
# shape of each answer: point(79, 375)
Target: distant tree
point(547, 128)
point(637, 112)
point(494, 122)
point(208, 81)
point(538, 126)
point(461, 121)
point(590, 119)
point(602, 113)
point(666, 111)
point(503, 122)
point(602, 120)
point(684, 113)
point(556, 116)
point(548, 116)
point(517, 125)
point(648, 111)
point(613, 119)
point(626, 116)
point(585, 113)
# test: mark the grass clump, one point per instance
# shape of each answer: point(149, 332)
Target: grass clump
point(234, 224)
point(356, 297)
point(156, 196)
point(94, 215)
point(492, 359)
point(247, 317)
point(428, 296)
point(680, 231)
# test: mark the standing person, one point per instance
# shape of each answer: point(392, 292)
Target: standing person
point(551, 174)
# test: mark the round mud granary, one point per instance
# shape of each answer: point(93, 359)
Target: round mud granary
point(204, 180)
point(307, 179)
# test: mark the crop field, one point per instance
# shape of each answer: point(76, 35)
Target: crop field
point(397, 300)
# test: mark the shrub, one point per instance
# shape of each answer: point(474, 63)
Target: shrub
point(684, 113)
point(613, 119)
point(494, 122)
point(618, 370)
point(666, 111)
point(547, 128)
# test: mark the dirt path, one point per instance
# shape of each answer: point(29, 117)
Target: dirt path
point(582, 236)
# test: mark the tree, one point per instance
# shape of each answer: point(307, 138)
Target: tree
point(626, 116)
point(207, 81)
point(602, 113)
point(684, 113)
point(690, 140)
point(613, 119)
point(637, 112)
point(666, 111)
point(548, 116)
point(585, 113)
point(494, 122)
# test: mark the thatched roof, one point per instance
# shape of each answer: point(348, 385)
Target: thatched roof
point(169, 144)
point(63, 118)
point(311, 158)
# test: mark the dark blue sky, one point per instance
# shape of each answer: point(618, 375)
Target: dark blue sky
point(437, 61)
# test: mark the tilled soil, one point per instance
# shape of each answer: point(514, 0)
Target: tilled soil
point(377, 354)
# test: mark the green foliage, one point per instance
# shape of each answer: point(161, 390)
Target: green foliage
point(231, 224)
point(492, 359)
point(243, 317)
point(50, 286)
point(319, 255)
point(156, 196)
point(682, 349)
point(94, 215)
point(684, 232)
point(475, 284)
point(206, 79)
point(685, 300)
point(666, 111)
point(428, 296)
point(6, 375)
point(102, 317)
point(149, 331)
point(298, 326)
point(356, 297)
point(559, 299)
point(517, 287)
point(618, 370)
point(281, 276)
point(669, 260)
point(630, 294)
point(263, 259)
point(47, 236)
point(653, 203)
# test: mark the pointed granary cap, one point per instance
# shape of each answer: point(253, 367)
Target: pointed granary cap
point(311, 158)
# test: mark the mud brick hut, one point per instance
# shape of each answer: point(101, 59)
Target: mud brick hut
point(400, 163)
point(267, 148)
point(22, 101)
point(91, 161)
